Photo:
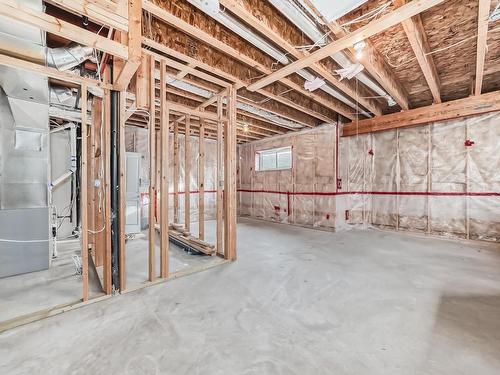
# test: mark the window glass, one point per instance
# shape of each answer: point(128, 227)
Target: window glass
point(273, 159)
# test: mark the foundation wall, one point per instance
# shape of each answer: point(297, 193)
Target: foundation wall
point(441, 179)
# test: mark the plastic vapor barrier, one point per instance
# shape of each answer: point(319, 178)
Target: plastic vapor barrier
point(137, 140)
point(442, 178)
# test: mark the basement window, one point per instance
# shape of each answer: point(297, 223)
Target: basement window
point(274, 159)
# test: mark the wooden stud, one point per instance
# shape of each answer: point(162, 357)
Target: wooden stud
point(187, 174)
point(134, 38)
point(84, 194)
point(152, 173)
point(176, 172)
point(122, 193)
point(164, 130)
point(201, 182)
point(220, 181)
point(107, 267)
point(230, 179)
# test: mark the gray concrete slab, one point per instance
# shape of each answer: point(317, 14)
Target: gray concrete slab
point(297, 301)
point(34, 291)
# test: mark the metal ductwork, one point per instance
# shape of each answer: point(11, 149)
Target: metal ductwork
point(24, 152)
point(66, 58)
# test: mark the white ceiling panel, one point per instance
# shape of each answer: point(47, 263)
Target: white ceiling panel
point(334, 9)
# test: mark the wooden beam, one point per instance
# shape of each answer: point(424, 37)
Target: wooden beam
point(84, 194)
point(194, 112)
point(14, 10)
point(219, 45)
point(414, 29)
point(365, 32)
point(152, 172)
point(471, 106)
point(201, 182)
point(254, 22)
point(134, 37)
point(482, 38)
point(340, 108)
point(50, 72)
point(230, 179)
point(372, 60)
point(94, 12)
point(187, 174)
point(164, 133)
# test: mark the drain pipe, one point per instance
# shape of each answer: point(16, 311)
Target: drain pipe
point(115, 198)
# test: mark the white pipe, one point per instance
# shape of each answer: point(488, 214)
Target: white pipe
point(300, 19)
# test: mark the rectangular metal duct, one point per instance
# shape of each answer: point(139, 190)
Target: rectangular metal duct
point(24, 152)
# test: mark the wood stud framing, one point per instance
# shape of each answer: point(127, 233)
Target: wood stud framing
point(152, 173)
point(164, 129)
point(84, 194)
point(415, 32)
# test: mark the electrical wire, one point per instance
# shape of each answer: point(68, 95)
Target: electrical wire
point(395, 66)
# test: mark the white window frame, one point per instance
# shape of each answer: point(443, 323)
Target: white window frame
point(273, 151)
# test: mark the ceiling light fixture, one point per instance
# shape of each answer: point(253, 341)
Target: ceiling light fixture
point(359, 47)
point(312, 85)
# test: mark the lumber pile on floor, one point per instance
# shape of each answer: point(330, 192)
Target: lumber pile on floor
point(179, 234)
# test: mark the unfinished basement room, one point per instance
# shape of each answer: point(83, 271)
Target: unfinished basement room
point(250, 187)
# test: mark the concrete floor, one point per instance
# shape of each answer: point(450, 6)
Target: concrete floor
point(297, 301)
point(179, 260)
point(34, 291)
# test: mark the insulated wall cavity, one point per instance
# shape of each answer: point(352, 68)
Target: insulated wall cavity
point(303, 195)
point(442, 178)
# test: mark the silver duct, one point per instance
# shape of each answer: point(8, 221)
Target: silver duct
point(24, 152)
point(66, 58)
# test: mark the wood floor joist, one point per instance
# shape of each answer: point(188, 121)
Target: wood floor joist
point(50, 24)
point(414, 29)
point(482, 38)
point(165, 16)
point(372, 60)
point(244, 14)
point(474, 105)
point(393, 18)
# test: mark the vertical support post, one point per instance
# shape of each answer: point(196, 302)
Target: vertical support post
point(164, 131)
point(187, 175)
point(398, 179)
point(220, 178)
point(201, 182)
point(122, 192)
point(112, 216)
point(230, 178)
point(152, 171)
point(467, 198)
point(109, 163)
point(429, 178)
point(84, 195)
point(176, 172)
